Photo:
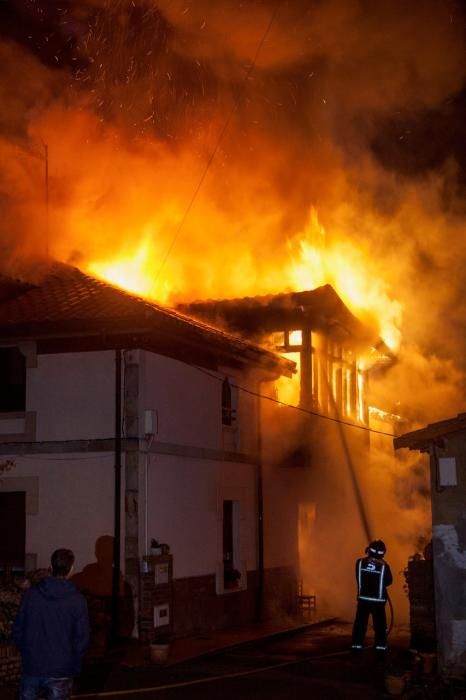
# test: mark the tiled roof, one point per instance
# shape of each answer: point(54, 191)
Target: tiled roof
point(421, 439)
point(66, 299)
point(67, 294)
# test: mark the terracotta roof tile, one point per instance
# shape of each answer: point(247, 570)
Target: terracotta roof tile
point(66, 296)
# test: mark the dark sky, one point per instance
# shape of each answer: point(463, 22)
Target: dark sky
point(98, 44)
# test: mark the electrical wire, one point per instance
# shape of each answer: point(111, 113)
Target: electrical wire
point(392, 615)
point(219, 141)
point(219, 379)
point(36, 458)
point(212, 679)
point(295, 408)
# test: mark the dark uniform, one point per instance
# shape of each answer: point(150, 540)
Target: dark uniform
point(373, 575)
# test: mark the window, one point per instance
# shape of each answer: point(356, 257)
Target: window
point(295, 339)
point(228, 409)
point(13, 521)
point(12, 380)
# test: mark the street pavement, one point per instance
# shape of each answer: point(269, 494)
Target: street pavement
point(311, 661)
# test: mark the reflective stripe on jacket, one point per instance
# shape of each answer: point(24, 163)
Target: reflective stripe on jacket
point(373, 576)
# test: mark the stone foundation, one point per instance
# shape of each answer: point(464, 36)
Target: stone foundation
point(10, 665)
point(198, 610)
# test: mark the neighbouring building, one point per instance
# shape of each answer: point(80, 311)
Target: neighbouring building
point(445, 443)
point(121, 417)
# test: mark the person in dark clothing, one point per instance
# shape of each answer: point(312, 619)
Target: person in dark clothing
point(51, 631)
point(373, 575)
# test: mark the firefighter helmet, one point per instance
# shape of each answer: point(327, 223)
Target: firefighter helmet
point(376, 548)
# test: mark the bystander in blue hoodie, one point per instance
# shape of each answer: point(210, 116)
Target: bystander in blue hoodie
point(51, 631)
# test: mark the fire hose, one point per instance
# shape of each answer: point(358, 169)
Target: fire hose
point(392, 616)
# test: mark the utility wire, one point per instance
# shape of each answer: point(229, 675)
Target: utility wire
point(219, 141)
point(297, 408)
point(219, 379)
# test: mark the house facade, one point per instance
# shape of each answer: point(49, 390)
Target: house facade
point(122, 422)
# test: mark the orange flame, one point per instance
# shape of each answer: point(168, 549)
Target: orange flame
point(312, 263)
point(344, 267)
point(134, 272)
point(127, 218)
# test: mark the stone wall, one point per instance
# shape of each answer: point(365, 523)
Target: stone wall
point(197, 609)
point(449, 544)
point(420, 581)
point(10, 664)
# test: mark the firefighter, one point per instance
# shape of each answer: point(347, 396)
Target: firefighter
point(373, 575)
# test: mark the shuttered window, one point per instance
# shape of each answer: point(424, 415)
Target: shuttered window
point(13, 522)
point(12, 380)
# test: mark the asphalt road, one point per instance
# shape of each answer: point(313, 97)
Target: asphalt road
point(313, 664)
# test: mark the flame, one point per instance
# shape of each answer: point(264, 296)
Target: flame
point(134, 272)
point(312, 263)
point(131, 218)
point(344, 267)
point(379, 414)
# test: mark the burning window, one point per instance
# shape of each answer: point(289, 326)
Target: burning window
point(288, 388)
point(328, 378)
point(295, 339)
point(285, 341)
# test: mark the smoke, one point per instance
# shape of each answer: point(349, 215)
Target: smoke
point(331, 531)
point(332, 114)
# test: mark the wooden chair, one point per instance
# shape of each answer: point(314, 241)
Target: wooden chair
point(306, 604)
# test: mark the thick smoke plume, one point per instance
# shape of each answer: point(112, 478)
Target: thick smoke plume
point(350, 107)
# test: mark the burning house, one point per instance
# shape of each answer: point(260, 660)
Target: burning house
point(315, 426)
point(317, 331)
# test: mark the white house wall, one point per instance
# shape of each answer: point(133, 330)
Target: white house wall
point(191, 468)
point(73, 395)
point(186, 493)
point(186, 509)
point(284, 489)
point(69, 502)
point(187, 402)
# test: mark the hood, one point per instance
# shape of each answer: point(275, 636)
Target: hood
point(54, 587)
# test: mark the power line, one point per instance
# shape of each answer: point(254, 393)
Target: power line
point(219, 141)
point(38, 458)
point(297, 408)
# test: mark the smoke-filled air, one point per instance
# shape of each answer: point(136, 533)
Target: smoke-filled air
point(216, 148)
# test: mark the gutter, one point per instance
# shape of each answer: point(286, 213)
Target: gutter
point(115, 603)
point(260, 516)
